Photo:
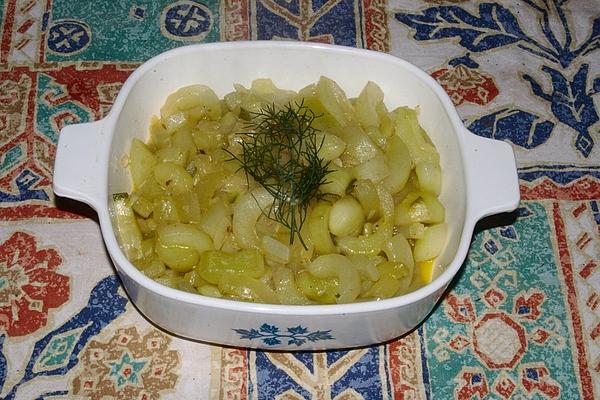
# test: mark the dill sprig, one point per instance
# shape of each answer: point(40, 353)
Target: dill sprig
point(280, 153)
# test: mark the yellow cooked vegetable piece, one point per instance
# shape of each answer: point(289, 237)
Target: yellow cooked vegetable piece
point(331, 146)
point(286, 288)
point(426, 270)
point(338, 181)
point(154, 268)
point(338, 266)
point(216, 265)
point(431, 244)
point(320, 290)
point(179, 246)
point(419, 207)
point(318, 228)
point(198, 101)
point(173, 178)
point(400, 164)
point(367, 103)
point(346, 217)
point(249, 289)
point(204, 218)
point(430, 176)
point(141, 162)
point(127, 226)
point(369, 244)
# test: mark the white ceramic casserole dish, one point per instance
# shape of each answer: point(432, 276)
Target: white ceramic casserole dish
point(479, 179)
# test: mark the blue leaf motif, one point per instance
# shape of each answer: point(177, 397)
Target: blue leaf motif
point(595, 87)
point(26, 184)
point(465, 60)
point(584, 143)
point(3, 365)
point(319, 335)
point(298, 341)
point(495, 26)
point(57, 393)
point(269, 329)
point(248, 334)
point(592, 43)
point(508, 232)
point(571, 102)
point(272, 341)
point(519, 127)
point(254, 334)
point(298, 330)
point(272, 335)
point(524, 212)
point(105, 304)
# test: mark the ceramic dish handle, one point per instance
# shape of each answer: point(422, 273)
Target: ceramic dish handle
point(492, 175)
point(78, 171)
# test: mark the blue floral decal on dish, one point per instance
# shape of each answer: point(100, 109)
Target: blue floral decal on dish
point(271, 335)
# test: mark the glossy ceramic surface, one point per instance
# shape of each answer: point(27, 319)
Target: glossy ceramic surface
point(88, 168)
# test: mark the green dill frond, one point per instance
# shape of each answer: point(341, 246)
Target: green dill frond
point(280, 151)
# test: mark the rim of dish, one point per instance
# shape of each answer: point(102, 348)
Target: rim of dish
point(413, 297)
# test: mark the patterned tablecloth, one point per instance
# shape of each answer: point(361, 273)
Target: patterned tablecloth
point(521, 321)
